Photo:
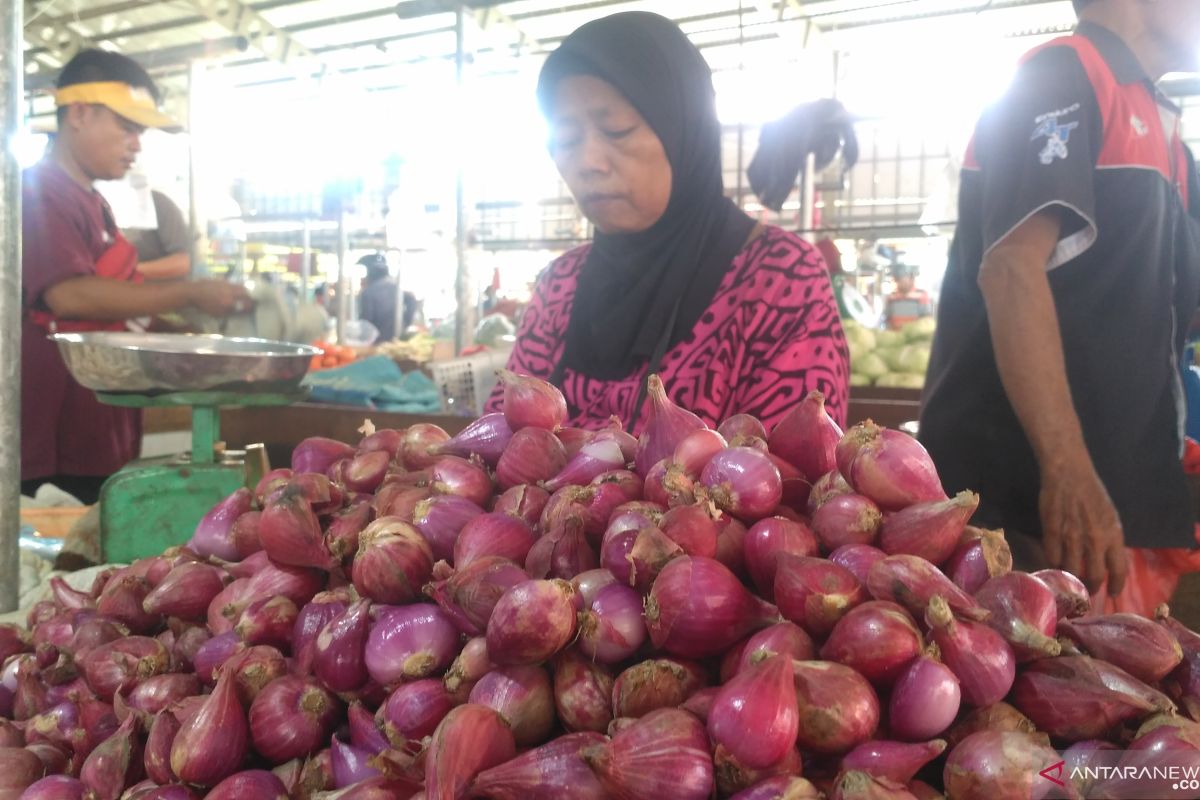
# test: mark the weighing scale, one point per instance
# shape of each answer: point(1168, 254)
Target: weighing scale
point(153, 504)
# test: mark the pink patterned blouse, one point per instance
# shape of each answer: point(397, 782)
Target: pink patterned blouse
point(770, 336)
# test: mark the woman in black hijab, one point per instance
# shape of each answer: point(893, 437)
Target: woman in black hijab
point(735, 316)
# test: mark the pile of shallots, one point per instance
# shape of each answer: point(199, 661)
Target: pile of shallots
point(527, 611)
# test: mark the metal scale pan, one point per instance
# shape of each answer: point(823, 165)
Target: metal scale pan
point(157, 363)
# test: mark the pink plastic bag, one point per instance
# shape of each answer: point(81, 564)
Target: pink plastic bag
point(1151, 580)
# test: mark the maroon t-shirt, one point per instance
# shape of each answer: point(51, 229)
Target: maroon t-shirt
point(770, 336)
point(64, 429)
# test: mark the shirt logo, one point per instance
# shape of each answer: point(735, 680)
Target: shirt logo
point(1057, 135)
point(1139, 127)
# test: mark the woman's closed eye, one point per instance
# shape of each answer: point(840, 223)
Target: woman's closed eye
point(620, 133)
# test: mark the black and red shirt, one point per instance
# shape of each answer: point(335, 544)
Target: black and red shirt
point(1082, 130)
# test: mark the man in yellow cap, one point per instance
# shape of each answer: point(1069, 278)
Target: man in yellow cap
point(80, 274)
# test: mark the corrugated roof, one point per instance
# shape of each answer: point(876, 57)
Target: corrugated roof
point(353, 34)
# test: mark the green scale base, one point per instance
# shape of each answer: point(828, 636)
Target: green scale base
point(153, 504)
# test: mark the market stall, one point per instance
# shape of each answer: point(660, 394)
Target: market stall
point(333, 576)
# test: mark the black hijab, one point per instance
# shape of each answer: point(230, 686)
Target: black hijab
point(633, 286)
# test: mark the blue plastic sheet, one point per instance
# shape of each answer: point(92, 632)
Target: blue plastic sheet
point(375, 382)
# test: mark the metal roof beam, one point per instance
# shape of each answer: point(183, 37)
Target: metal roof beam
point(242, 20)
point(490, 16)
point(53, 35)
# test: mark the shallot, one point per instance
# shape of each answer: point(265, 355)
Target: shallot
point(1139, 646)
point(666, 426)
point(697, 608)
point(663, 754)
point(878, 638)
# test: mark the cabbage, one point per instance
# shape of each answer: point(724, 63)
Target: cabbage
point(858, 379)
point(859, 339)
point(889, 339)
point(871, 366)
point(912, 359)
point(919, 330)
point(900, 380)
point(891, 357)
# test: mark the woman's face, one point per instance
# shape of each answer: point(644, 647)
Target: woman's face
point(610, 157)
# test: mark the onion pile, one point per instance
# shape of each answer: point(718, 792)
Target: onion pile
point(527, 610)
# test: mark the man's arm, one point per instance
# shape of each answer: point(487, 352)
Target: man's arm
point(107, 300)
point(1081, 529)
point(176, 265)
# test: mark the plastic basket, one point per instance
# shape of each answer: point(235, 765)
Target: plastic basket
point(466, 383)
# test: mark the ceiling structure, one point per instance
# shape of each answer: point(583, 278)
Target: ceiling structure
point(272, 40)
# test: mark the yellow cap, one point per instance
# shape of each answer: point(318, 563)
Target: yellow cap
point(131, 102)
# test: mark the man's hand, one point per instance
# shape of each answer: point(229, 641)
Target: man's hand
point(219, 298)
point(1081, 530)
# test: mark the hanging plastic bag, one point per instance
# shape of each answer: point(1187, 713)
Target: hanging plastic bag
point(1154, 573)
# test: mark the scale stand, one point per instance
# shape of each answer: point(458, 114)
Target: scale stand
point(153, 504)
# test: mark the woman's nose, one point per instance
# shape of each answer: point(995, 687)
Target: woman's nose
point(593, 154)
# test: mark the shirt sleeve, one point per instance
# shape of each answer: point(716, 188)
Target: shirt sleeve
point(1037, 149)
point(173, 230)
point(53, 245)
point(797, 346)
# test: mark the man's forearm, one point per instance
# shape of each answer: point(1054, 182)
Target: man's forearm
point(107, 300)
point(1029, 352)
point(176, 265)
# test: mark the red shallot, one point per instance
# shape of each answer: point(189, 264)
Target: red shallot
point(1024, 612)
point(998, 766)
point(838, 708)
point(891, 468)
point(930, 530)
point(697, 608)
point(755, 716)
point(980, 556)
point(878, 638)
point(338, 655)
point(744, 482)
point(912, 582)
point(664, 754)
point(213, 536)
point(666, 426)
point(531, 622)
point(782, 638)
point(393, 562)
point(766, 541)
point(1078, 697)
point(982, 660)
point(486, 437)
point(441, 518)
point(524, 697)
point(550, 772)
point(292, 718)
point(583, 692)
point(533, 455)
point(846, 520)
point(807, 437)
point(1139, 646)
point(212, 743)
point(1070, 594)
point(414, 710)
point(409, 643)
point(471, 739)
point(895, 761)
point(925, 700)
point(655, 684)
point(815, 593)
point(612, 629)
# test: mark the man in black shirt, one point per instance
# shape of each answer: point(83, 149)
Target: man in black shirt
point(379, 299)
point(1054, 386)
